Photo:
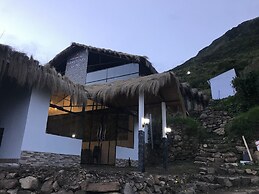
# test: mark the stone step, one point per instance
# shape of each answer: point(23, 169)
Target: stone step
point(216, 146)
point(215, 149)
point(216, 141)
point(206, 187)
point(230, 181)
point(200, 163)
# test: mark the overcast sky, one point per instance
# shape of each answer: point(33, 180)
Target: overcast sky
point(169, 32)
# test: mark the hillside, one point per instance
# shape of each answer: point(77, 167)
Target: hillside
point(238, 48)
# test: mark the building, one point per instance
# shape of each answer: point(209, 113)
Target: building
point(86, 102)
point(26, 88)
point(221, 85)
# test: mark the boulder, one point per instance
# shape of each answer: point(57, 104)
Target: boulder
point(8, 183)
point(127, 189)
point(30, 183)
point(103, 187)
point(47, 187)
point(219, 131)
point(256, 156)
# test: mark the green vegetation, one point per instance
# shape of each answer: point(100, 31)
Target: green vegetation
point(238, 48)
point(246, 124)
point(190, 126)
point(247, 87)
point(230, 104)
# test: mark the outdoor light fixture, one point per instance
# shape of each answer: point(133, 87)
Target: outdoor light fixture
point(73, 135)
point(188, 73)
point(144, 121)
point(168, 130)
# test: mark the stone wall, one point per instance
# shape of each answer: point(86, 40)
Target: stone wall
point(48, 159)
point(126, 163)
point(181, 145)
point(214, 120)
point(76, 68)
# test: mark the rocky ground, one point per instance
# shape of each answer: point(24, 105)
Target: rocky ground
point(26, 179)
point(83, 180)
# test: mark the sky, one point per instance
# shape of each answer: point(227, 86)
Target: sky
point(168, 32)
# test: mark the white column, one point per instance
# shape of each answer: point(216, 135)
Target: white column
point(141, 110)
point(163, 106)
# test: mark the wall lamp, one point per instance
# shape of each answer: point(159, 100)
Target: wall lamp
point(168, 130)
point(144, 121)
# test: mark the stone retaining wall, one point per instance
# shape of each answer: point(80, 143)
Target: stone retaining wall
point(49, 159)
point(126, 163)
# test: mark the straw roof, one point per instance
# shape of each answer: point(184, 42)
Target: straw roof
point(124, 93)
point(60, 58)
point(27, 72)
point(193, 94)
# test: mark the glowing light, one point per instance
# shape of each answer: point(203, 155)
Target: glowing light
point(145, 121)
point(188, 73)
point(168, 130)
point(73, 135)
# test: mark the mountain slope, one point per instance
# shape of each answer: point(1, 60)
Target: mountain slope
point(238, 48)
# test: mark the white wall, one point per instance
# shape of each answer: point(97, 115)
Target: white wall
point(221, 85)
point(132, 153)
point(126, 153)
point(35, 137)
point(14, 102)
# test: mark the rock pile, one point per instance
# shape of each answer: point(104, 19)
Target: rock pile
point(79, 180)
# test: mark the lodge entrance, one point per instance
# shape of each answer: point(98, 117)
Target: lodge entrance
point(99, 144)
point(105, 130)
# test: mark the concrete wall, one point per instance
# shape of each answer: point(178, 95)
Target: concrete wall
point(35, 137)
point(126, 153)
point(76, 68)
point(132, 153)
point(221, 85)
point(14, 102)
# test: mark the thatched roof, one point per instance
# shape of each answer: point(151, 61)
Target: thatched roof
point(124, 93)
point(157, 87)
point(27, 72)
point(193, 94)
point(76, 47)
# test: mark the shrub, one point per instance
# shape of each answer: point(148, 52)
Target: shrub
point(230, 104)
point(247, 87)
point(191, 126)
point(246, 124)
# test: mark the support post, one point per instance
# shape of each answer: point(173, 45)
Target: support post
point(163, 106)
point(164, 136)
point(141, 135)
point(165, 152)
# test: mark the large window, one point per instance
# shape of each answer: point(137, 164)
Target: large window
point(122, 72)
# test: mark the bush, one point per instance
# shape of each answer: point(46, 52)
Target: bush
point(230, 104)
point(191, 126)
point(246, 124)
point(247, 87)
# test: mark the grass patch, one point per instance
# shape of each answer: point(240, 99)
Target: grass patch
point(246, 124)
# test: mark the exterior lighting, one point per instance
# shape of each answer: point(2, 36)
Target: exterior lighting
point(168, 130)
point(73, 135)
point(144, 121)
point(188, 73)
point(55, 108)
